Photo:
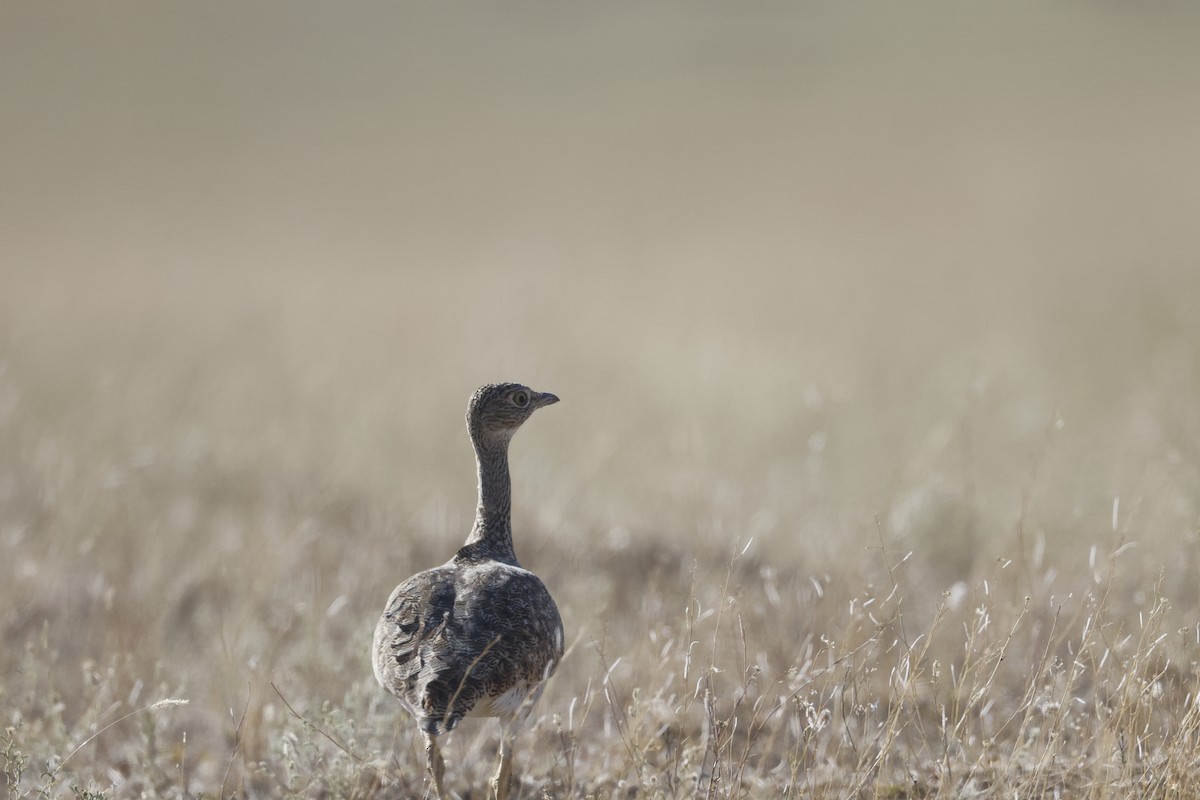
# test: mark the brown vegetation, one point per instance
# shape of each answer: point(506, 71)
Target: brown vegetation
point(876, 468)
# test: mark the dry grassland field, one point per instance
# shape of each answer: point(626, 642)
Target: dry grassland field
point(876, 472)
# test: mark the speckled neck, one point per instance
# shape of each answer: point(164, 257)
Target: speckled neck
point(491, 536)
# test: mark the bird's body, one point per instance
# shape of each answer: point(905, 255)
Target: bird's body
point(479, 635)
point(467, 639)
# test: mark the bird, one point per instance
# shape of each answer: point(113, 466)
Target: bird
point(479, 635)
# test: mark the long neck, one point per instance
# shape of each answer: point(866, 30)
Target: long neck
point(491, 536)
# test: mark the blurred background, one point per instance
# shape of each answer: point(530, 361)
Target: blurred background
point(817, 274)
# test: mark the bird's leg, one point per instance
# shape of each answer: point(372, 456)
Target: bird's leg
point(435, 764)
point(503, 777)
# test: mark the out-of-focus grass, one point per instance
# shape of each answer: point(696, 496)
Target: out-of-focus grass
point(876, 468)
point(894, 578)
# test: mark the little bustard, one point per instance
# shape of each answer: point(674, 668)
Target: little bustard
point(479, 635)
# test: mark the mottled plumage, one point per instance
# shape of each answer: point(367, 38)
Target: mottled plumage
point(478, 635)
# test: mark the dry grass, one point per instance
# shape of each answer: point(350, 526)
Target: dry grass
point(876, 472)
point(992, 607)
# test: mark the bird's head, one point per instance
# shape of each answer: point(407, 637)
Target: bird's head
point(498, 409)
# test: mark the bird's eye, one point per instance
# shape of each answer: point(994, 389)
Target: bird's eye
point(521, 399)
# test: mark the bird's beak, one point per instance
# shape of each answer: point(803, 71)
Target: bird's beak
point(544, 399)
